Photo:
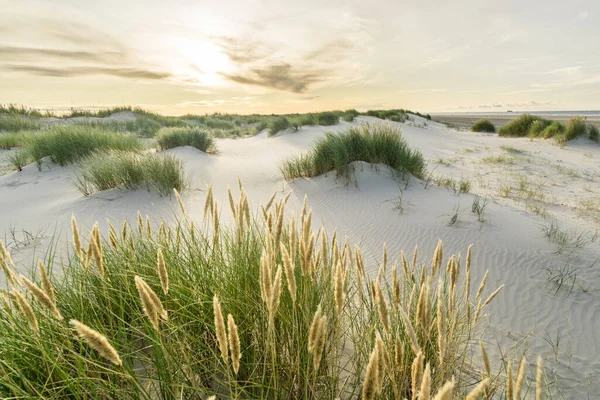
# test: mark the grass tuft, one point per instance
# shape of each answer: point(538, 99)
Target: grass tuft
point(68, 144)
point(169, 138)
point(375, 144)
point(484, 125)
point(127, 170)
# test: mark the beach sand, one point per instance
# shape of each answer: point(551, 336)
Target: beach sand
point(550, 304)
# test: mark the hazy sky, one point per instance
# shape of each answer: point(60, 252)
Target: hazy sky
point(196, 56)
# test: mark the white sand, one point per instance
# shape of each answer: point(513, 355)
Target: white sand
point(531, 313)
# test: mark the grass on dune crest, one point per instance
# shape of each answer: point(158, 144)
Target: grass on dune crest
point(484, 125)
point(128, 170)
point(537, 127)
point(67, 144)
point(199, 138)
point(18, 122)
point(376, 144)
point(265, 309)
point(10, 140)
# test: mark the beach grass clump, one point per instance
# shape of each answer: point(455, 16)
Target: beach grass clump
point(278, 124)
point(19, 159)
point(555, 129)
point(575, 128)
point(199, 138)
point(327, 118)
point(260, 309)
point(375, 144)
point(10, 140)
point(520, 127)
point(127, 170)
point(593, 133)
point(68, 144)
point(484, 125)
point(18, 122)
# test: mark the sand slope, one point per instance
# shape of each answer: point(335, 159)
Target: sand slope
point(532, 313)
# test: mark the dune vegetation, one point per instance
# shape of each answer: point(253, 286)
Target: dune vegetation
point(67, 144)
point(127, 170)
point(199, 138)
point(536, 127)
point(266, 309)
point(375, 144)
point(484, 125)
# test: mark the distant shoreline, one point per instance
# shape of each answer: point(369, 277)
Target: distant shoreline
point(467, 119)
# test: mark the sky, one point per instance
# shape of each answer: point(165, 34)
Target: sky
point(285, 56)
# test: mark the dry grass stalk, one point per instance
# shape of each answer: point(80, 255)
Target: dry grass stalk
point(292, 238)
point(539, 384)
point(289, 273)
point(124, 231)
point(441, 324)
point(275, 295)
point(234, 343)
point(220, 328)
point(8, 266)
point(89, 254)
point(369, 389)
point(491, 297)
point(519, 379)
point(6, 304)
point(148, 227)
point(424, 392)
point(97, 252)
point(416, 373)
point(140, 222)
point(319, 344)
point(76, 238)
point(97, 341)
point(486, 361)
point(149, 306)
point(46, 284)
point(179, 201)
point(270, 202)
point(381, 364)
point(209, 202)
point(382, 307)
point(162, 272)
point(479, 389)
point(445, 392)
point(482, 285)
point(509, 382)
point(232, 204)
point(414, 258)
point(338, 289)
point(41, 297)
point(25, 309)
point(314, 330)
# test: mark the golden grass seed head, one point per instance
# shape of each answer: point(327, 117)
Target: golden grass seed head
point(46, 284)
point(539, 383)
point(179, 201)
point(381, 361)
point(76, 238)
point(425, 389)
point(11, 277)
point(234, 343)
point(478, 390)
point(491, 297)
point(486, 361)
point(41, 297)
point(208, 203)
point(509, 382)
point(319, 344)
point(140, 222)
point(6, 304)
point(445, 392)
point(97, 341)
point(149, 307)
point(314, 330)
point(416, 373)
point(441, 324)
point(25, 309)
point(162, 272)
point(275, 295)
point(220, 328)
point(369, 389)
point(482, 285)
point(289, 272)
point(520, 376)
point(410, 331)
point(98, 256)
point(231, 203)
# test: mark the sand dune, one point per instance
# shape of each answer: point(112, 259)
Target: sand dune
point(532, 313)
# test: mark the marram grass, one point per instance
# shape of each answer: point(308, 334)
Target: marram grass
point(324, 336)
point(376, 144)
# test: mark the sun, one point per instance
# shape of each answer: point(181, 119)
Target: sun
point(204, 61)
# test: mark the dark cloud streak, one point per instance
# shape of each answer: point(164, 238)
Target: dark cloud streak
point(66, 72)
point(32, 53)
point(280, 76)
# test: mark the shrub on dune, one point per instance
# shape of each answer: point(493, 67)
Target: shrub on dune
point(18, 122)
point(67, 144)
point(278, 124)
point(555, 129)
point(518, 127)
point(327, 118)
point(266, 308)
point(127, 170)
point(484, 125)
point(593, 133)
point(376, 144)
point(537, 127)
point(575, 128)
point(199, 138)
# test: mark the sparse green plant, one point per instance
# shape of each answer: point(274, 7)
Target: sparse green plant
point(497, 159)
point(478, 207)
point(19, 159)
point(278, 124)
point(199, 138)
point(484, 125)
point(505, 190)
point(327, 118)
point(512, 150)
point(565, 240)
point(464, 186)
point(455, 217)
point(593, 133)
point(375, 144)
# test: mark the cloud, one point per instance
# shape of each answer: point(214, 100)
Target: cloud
point(583, 15)
point(422, 90)
point(35, 53)
point(242, 50)
point(280, 76)
point(66, 72)
point(509, 105)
